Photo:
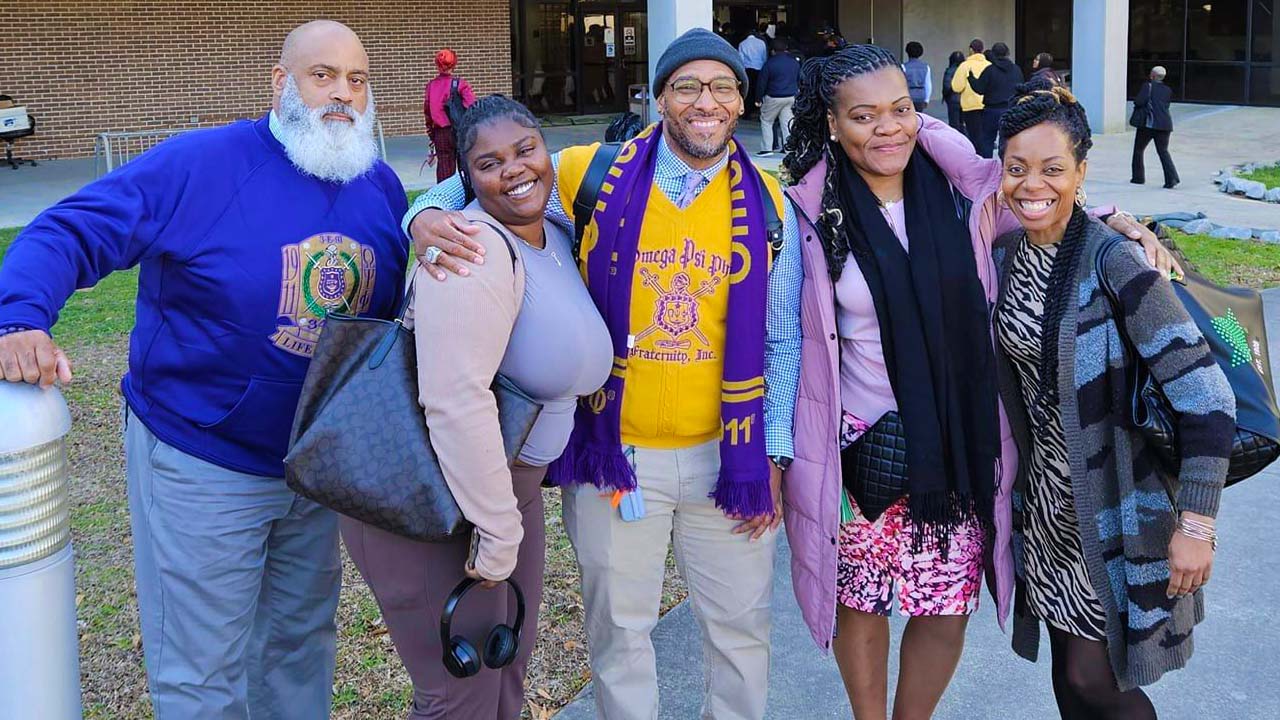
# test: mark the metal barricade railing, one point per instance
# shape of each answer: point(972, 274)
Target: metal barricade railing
point(113, 149)
point(117, 148)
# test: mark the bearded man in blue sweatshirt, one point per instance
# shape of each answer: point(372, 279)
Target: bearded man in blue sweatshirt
point(247, 236)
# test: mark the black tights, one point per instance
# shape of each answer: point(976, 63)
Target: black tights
point(1084, 685)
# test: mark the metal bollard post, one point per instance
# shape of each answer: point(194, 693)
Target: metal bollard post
point(39, 647)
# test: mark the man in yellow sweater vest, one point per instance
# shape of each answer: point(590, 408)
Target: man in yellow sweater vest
point(970, 101)
point(691, 452)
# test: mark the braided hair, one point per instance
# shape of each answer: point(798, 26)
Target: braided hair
point(482, 112)
point(1042, 101)
point(810, 135)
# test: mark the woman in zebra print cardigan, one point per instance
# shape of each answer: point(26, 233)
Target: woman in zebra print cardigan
point(1103, 557)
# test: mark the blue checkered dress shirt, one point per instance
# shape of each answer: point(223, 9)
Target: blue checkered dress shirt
point(782, 345)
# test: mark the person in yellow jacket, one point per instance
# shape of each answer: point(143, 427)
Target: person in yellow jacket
point(971, 104)
point(676, 257)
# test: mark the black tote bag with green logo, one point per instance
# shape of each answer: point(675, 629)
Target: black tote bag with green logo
point(1231, 320)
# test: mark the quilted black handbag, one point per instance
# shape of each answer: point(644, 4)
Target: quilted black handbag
point(1231, 321)
point(874, 467)
point(360, 444)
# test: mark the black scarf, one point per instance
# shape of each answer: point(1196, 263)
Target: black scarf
point(935, 328)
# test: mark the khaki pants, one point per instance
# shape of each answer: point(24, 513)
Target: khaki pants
point(772, 108)
point(730, 582)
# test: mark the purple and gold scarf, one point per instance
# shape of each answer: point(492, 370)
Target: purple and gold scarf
point(594, 453)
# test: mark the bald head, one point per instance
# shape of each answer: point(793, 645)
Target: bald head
point(327, 61)
point(308, 36)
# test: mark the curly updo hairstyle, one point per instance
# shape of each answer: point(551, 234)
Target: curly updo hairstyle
point(1043, 101)
point(482, 112)
point(810, 135)
point(1037, 102)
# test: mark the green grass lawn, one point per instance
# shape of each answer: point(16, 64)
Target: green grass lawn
point(1269, 176)
point(99, 313)
point(1250, 263)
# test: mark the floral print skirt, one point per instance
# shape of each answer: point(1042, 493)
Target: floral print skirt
point(876, 561)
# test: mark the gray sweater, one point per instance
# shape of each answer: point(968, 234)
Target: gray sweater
point(1127, 509)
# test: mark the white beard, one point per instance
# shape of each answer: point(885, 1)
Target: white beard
point(330, 150)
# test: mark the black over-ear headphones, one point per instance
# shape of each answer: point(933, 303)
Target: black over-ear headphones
point(460, 657)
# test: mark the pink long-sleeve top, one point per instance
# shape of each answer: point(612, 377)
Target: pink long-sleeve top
point(864, 390)
point(437, 92)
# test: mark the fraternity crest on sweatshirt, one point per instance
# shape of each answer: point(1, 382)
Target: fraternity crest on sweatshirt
point(325, 273)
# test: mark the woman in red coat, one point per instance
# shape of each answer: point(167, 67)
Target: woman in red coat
point(435, 99)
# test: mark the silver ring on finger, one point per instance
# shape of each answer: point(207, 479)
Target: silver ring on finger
point(431, 254)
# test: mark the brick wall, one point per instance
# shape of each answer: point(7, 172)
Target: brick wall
point(83, 67)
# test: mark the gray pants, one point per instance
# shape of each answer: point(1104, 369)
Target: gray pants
point(238, 582)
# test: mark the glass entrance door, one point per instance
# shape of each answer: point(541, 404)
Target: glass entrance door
point(578, 57)
point(545, 77)
point(599, 52)
point(614, 48)
point(633, 48)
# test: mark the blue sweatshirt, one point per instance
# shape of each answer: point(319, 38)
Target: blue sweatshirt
point(242, 258)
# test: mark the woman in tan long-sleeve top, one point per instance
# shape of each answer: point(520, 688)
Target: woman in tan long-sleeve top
point(524, 313)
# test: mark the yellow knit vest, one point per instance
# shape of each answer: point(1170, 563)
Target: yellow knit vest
point(679, 303)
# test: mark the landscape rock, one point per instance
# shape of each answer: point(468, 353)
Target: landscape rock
point(1270, 236)
point(1239, 233)
point(1249, 188)
point(1273, 195)
point(1198, 227)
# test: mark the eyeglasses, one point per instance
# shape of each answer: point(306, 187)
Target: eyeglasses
point(688, 90)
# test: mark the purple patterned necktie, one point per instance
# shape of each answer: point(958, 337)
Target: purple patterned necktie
point(692, 180)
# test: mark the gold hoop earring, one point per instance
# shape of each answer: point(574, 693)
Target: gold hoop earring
point(1000, 199)
point(1081, 196)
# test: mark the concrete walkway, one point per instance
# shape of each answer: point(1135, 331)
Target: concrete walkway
point(1232, 675)
point(1207, 139)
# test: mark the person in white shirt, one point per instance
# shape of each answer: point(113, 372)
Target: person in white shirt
point(754, 51)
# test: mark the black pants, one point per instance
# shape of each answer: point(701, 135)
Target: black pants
point(973, 129)
point(753, 92)
point(953, 114)
point(1146, 135)
point(990, 128)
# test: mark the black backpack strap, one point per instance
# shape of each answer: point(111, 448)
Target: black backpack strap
point(772, 221)
point(453, 86)
point(584, 202)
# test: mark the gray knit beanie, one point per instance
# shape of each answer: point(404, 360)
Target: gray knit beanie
point(697, 44)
